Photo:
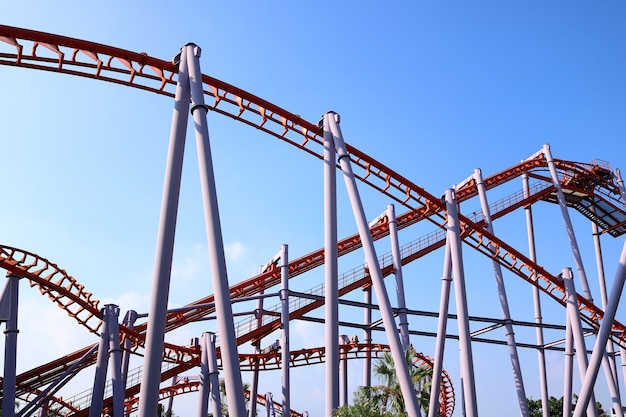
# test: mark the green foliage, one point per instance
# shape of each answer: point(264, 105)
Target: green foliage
point(555, 407)
point(386, 399)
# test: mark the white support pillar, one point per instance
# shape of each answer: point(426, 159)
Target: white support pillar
point(285, 353)
point(504, 302)
point(223, 308)
point(397, 268)
point(608, 363)
point(254, 384)
point(568, 223)
point(331, 284)
point(586, 394)
point(331, 124)
point(465, 345)
point(367, 338)
point(573, 315)
point(446, 279)
point(568, 374)
point(541, 356)
point(9, 307)
point(155, 332)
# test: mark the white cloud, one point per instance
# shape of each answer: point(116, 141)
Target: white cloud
point(193, 262)
point(234, 251)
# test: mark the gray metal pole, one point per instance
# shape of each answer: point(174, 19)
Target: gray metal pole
point(214, 375)
point(129, 321)
point(569, 367)
point(285, 353)
point(331, 284)
point(573, 315)
point(586, 394)
point(205, 383)
point(223, 307)
point(367, 336)
point(397, 267)
point(343, 367)
point(102, 361)
point(170, 401)
point(115, 358)
point(541, 356)
point(608, 363)
point(254, 384)
point(11, 292)
point(465, 345)
point(568, 223)
point(504, 302)
point(331, 122)
point(155, 332)
point(444, 302)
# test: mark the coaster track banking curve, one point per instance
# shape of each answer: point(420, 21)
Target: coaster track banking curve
point(138, 70)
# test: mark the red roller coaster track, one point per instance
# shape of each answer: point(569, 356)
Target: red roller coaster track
point(43, 51)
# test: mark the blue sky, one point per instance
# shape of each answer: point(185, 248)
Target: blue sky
point(431, 89)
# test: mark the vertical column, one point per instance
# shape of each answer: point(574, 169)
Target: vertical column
point(223, 307)
point(465, 346)
point(541, 357)
point(569, 368)
point(129, 321)
point(609, 364)
point(115, 358)
point(155, 332)
point(446, 279)
point(568, 223)
point(343, 366)
point(573, 315)
point(331, 284)
point(397, 267)
point(367, 336)
point(285, 353)
point(331, 123)
point(254, 385)
point(586, 393)
point(205, 383)
point(214, 374)
point(9, 305)
point(504, 302)
point(97, 392)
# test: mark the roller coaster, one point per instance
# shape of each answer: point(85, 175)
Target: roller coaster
point(591, 190)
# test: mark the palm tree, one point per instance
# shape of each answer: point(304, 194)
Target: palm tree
point(224, 405)
point(389, 393)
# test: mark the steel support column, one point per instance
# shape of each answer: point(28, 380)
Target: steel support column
point(285, 353)
point(129, 321)
point(504, 301)
point(223, 308)
point(331, 124)
point(573, 316)
point(367, 335)
point(155, 332)
point(442, 326)
point(254, 384)
point(568, 374)
point(586, 393)
point(465, 345)
point(568, 223)
point(397, 267)
point(608, 362)
point(115, 358)
point(9, 306)
point(331, 284)
point(541, 356)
